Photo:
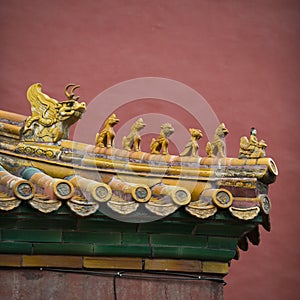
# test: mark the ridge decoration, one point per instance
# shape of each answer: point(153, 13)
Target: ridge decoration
point(39, 165)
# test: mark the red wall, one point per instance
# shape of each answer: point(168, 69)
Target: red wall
point(20, 284)
point(242, 56)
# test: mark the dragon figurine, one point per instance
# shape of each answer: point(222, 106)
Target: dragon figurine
point(50, 119)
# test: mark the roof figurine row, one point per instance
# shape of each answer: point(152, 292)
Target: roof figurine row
point(41, 165)
point(249, 148)
point(51, 119)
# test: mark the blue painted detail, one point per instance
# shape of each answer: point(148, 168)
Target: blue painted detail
point(2, 169)
point(28, 172)
point(69, 177)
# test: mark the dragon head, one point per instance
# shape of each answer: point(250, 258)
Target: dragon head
point(70, 111)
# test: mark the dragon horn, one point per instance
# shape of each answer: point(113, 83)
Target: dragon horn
point(71, 95)
point(66, 90)
point(74, 88)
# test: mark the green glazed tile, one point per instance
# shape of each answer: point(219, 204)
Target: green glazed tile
point(139, 251)
point(166, 252)
point(166, 227)
point(178, 240)
point(222, 243)
point(13, 247)
point(192, 253)
point(7, 222)
point(32, 235)
point(223, 229)
point(135, 239)
point(92, 237)
point(106, 225)
point(207, 254)
point(62, 248)
point(47, 222)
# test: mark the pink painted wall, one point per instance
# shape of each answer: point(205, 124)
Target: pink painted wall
point(242, 56)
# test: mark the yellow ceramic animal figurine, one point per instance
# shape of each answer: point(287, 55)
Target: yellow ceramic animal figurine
point(217, 146)
point(106, 137)
point(133, 139)
point(191, 148)
point(50, 119)
point(162, 142)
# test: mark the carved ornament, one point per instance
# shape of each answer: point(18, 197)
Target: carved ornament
point(107, 135)
point(127, 181)
point(132, 141)
point(50, 119)
point(245, 213)
point(201, 211)
point(161, 143)
point(191, 148)
point(217, 146)
point(252, 148)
